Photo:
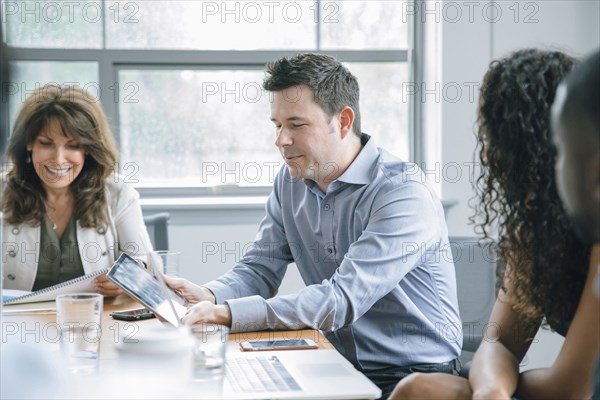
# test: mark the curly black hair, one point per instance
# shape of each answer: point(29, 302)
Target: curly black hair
point(547, 264)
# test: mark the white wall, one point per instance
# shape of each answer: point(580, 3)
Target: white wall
point(468, 47)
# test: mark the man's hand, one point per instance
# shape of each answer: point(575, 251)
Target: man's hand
point(203, 308)
point(207, 312)
point(189, 291)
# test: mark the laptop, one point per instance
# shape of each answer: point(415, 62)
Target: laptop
point(294, 374)
point(297, 374)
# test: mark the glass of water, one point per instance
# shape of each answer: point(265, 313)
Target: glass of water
point(79, 318)
point(210, 345)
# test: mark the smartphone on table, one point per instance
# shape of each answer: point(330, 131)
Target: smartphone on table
point(278, 344)
point(135, 314)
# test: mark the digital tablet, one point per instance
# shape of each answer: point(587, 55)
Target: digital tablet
point(140, 284)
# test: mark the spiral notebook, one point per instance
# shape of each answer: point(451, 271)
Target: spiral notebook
point(81, 284)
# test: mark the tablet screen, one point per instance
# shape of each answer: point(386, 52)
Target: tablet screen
point(139, 283)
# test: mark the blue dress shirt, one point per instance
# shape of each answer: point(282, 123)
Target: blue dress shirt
point(374, 254)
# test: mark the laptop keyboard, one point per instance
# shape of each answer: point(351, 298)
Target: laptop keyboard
point(259, 374)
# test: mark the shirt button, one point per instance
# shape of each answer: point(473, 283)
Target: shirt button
point(326, 207)
point(330, 250)
point(103, 253)
point(16, 231)
point(12, 253)
point(11, 277)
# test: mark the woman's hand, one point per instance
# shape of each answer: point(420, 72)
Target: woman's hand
point(106, 287)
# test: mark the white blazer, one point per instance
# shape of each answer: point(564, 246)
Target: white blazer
point(21, 243)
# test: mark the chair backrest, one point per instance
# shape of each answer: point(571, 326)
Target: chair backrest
point(476, 263)
point(157, 226)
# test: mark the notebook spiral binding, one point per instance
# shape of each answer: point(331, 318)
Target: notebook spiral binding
point(57, 286)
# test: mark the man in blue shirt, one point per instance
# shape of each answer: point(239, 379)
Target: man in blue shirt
point(367, 234)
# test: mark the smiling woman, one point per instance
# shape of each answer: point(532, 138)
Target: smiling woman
point(57, 158)
point(67, 213)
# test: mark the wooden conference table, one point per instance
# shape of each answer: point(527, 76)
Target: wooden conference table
point(18, 314)
point(20, 324)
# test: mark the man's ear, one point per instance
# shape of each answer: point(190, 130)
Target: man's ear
point(346, 119)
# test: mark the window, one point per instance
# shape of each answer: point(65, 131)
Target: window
point(181, 80)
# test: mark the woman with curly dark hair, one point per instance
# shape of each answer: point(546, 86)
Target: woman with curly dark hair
point(548, 270)
point(66, 211)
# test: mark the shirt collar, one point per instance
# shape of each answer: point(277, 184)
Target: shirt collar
point(359, 172)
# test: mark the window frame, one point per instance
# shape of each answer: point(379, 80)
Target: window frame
point(4, 126)
point(111, 61)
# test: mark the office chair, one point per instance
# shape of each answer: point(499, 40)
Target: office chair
point(157, 226)
point(476, 263)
